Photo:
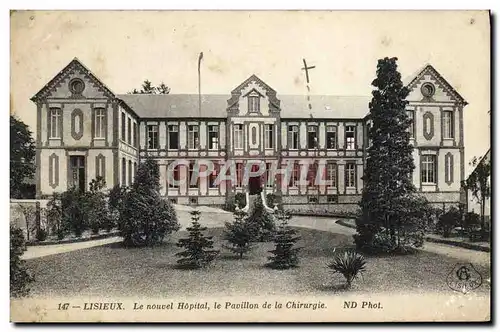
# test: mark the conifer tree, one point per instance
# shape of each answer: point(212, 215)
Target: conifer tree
point(238, 234)
point(261, 222)
point(145, 216)
point(285, 255)
point(387, 179)
point(199, 250)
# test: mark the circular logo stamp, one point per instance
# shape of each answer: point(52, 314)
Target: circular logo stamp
point(464, 278)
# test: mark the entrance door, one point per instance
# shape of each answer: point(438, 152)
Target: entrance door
point(77, 171)
point(254, 183)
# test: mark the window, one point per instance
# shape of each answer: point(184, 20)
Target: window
point(269, 135)
point(332, 199)
point(173, 137)
point(123, 126)
point(269, 175)
point(152, 136)
point(368, 135)
point(191, 174)
point(193, 137)
point(428, 172)
point(350, 175)
point(312, 199)
point(331, 174)
point(295, 176)
point(55, 118)
point(447, 124)
point(175, 177)
point(213, 176)
point(350, 137)
point(76, 86)
point(312, 173)
point(129, 131)
point(293, 137)
point(193, 200)
point(238, 136)
point(213, 137)
point(312, 137)
point(99, 121)
point(331, 137)
point(173, 200)
point(124, 172)
point(253, 104)
point(411, 116)
point(136, 138)
point(239, 174)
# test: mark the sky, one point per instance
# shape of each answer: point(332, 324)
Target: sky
point(123, 48)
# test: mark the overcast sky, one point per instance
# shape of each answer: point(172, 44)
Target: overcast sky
point(123, 48)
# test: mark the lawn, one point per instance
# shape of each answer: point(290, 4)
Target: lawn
point(112, 270)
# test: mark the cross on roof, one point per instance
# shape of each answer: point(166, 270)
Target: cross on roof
point(306, 68)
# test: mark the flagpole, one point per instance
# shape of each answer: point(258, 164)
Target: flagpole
point(199, 83)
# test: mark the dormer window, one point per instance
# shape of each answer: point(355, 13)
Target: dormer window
point(254, 103)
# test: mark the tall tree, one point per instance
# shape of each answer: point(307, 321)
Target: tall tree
point(22, 156)
point(387, 180)
point(148, 88)
point(479, 183)
point(145, 216)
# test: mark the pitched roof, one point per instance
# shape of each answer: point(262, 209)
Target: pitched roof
point(75, 63)
point(485, 158)
point(324, 106)
point(176, 105)
point(430, 69)
point(215, 106)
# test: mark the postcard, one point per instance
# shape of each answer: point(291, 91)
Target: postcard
point(250, 166)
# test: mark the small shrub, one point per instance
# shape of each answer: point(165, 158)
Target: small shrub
point(284, 254)
point(238, 234)
point(234, 200)
point(448, 221)
point(261, 222)
point(383, 242)
point(472, 221)
point(350, 264)
point(41, 234)
point(273, 199)
point(74, 215)
point(20, 278)
point(97, 211)
point(199, 250)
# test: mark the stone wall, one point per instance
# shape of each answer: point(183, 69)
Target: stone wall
point(20, 208)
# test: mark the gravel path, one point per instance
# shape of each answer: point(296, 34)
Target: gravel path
point(52, 249)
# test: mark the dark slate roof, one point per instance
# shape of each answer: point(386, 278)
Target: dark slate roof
point(214, 106)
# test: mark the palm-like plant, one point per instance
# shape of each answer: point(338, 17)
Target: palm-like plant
point(350, 264)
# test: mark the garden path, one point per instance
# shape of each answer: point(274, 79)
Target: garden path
point(52, 249)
